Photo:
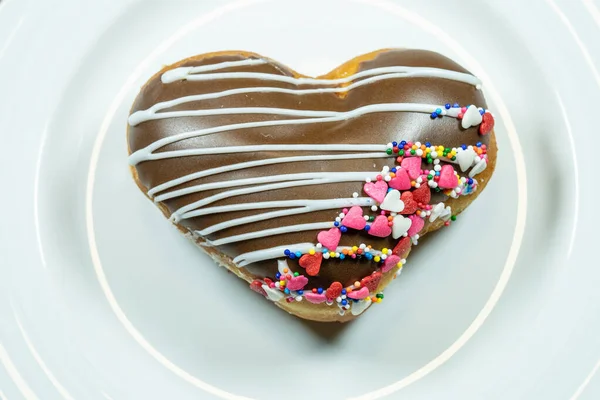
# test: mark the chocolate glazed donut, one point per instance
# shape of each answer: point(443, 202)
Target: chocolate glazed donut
point(256, 160)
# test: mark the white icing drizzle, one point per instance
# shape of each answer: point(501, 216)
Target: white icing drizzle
point(166, 77)
point(249, 164)
point(146, 153)
point(305, 206)
point(270, 232)
point(187, 73)
point(335, 177)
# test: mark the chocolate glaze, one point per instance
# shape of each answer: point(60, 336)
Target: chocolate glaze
point(379, 128)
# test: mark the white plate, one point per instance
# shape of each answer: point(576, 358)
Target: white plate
point(101, 299)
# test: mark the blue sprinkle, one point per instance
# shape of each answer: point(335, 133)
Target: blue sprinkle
point(344, 229)
point(367, 227)
point(278, 275)
point(481, 111)
point(427, 144)
point(403, 143)
point(470, 181)
point(394, 144)
point(437, 173)
point(320, 290)
point(456, 105)
point(298, 254)
point(286, 252)
point(434, 115)
point(325, 251)
point(464, 146)
point(286, 291)
point(447, 106)
point(478, 144)
point(369, 256)
point(300, 292)
point(292, 256)
point(344, 302)
point(342, 256)
point(394, 170)
point(389, 190)
point(343, 291)
point(336, 223)
point(438, 111)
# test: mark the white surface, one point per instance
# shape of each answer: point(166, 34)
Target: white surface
point(101, 299)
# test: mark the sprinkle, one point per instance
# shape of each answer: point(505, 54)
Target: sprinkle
point(292, 256)
point(319, 245)
point(320, 290)
point(296, 273)
point(434, 115)
point(286, 252)
point(298, 298)
point(343, 291)
point(344, 302)
point(447, 106)
point(281, 283)
point(344, 229)
point(453, 218)
point(355, 195)
point(373, 208)
point(438, 111)
point(377, 259)
point(311, 251)
point(298, 254)
point(286, 291)
point(357, 284)
point(379, 295)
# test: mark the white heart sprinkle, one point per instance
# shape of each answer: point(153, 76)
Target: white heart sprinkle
point(479, 167)
point(465, 158)
point(472, 117)
point(400, 226)
point(392, 202)
point(436, 211)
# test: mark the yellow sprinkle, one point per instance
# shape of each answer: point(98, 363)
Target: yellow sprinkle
point(414, 146)
point(399, 265)
point(379, 300)
point(376, 258)
point(332, 253)
point(282, 283)
point(311, 251)
point(384, 250)
point(354, 248)
point(367, 298)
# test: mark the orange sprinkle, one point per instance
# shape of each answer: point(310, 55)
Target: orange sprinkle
point(345, 251)
point(423, 147)
point(390, 218)
point(413, 183)
point(418, 212)
point(285, 270)
point(392, 175)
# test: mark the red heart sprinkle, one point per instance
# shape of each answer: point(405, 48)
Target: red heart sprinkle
point(256, 285)
point(311, 262)
point(371, 282)
point(410, 205)
point(334, 290)
point(402, 247)
point(422, 194)
point(487, 124)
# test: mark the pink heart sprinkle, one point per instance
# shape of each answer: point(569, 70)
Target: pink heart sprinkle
point(390, 263)
point(412, 165)
point(315, 298)
point(359, 294)
point(447, 178)
point(401, 181)
point(380, 227)
point(376, 190)
point(297, 282)
point(417, 224)
point(330, 239)
point(354, 218)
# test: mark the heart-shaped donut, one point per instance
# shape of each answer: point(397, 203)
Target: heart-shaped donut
point(261, 166)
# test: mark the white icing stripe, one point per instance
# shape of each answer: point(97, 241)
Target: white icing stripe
point(186, 211)
point(271, 232)
point(314, 205)
point(277, 252)
point(249, 181)
point(150, 114)
point(271, 204)
point(146, 152)
point(166, 77)
point(186, 73)
point(266, 147)
point(250, 164)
